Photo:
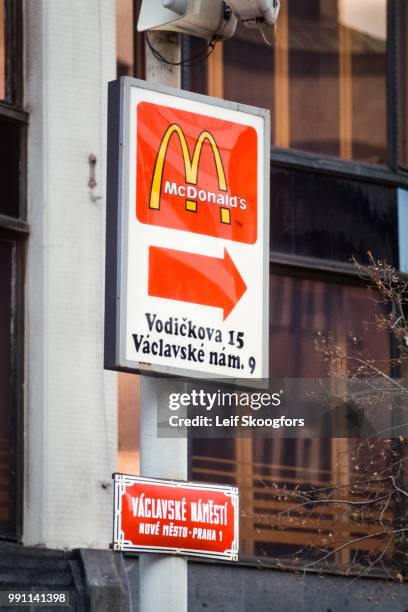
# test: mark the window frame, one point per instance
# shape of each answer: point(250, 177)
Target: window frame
point(15, 230)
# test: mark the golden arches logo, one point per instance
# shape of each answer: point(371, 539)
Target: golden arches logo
point(191, 166)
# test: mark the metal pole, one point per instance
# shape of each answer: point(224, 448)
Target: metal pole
point(162, 579)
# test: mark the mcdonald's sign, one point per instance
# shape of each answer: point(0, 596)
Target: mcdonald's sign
point(191, 179)
point(187, 234)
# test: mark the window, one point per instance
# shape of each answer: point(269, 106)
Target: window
point(265, 469)
point(10, 153)
point(328, 85)
point(303, 306)
point(332, 218)
point(13, 232)
point(324, 80)
point(334, 95)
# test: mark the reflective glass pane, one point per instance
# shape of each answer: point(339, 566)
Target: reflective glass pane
point(324, 79)
point(312, 116)
point(300, 308)
point(268, 469)
point(125, 29)
point(128, 460)
point(337, 78)
point(248, 69)
point(363, 65)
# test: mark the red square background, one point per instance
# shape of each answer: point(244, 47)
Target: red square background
point(237, 145)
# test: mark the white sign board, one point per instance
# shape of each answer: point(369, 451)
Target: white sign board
point(187, 234)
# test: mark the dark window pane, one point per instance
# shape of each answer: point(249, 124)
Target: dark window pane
point(9, 168)
point(331, 218)
point(403, 108)
point(2, 53)
point(5, 384)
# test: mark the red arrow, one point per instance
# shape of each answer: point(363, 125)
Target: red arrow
point(200, 279)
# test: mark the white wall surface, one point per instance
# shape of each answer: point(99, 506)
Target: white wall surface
point(71, 420)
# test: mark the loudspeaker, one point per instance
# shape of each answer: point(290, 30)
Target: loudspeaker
point(255, 12)
point(203, 18)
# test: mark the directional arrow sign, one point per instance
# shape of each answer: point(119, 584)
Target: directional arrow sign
point(199, 279)
point(187, 234)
